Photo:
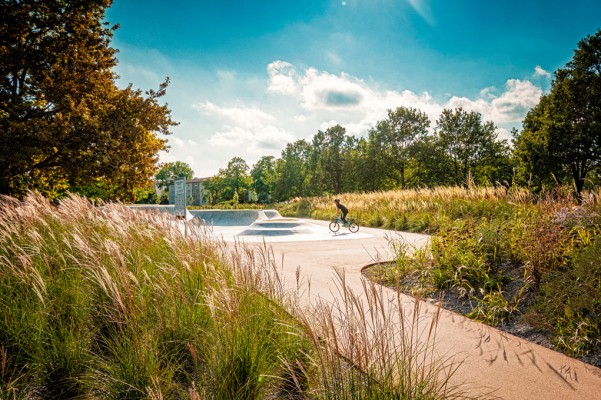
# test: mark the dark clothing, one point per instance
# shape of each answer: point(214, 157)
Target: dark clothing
point(343, 211)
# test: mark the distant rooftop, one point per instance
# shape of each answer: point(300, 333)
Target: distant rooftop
point(197, 180)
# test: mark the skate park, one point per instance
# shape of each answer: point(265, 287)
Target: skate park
point(258, 226)
point(488, 360)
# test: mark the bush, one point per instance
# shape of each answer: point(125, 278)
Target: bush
point(569, 303)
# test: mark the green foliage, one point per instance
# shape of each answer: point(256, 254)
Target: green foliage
point(65, 125)
point(505, 254)
point(399, 152)
point(231, 183)
point(569, 303)
point(105, 303)
point(292, 171)
point(264, 177)
point(172, 171)
point(330, 164)
point(393, 144)
point(561, 134)
point(468, 144)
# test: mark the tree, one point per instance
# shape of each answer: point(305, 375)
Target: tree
point(170, 172)
point(467, 143)
point(264, 177)
point(292, 170)
point(233, 181)
point(64, 124)
point(213, 189)
point(431, 163)
point(331, 161)
point(564, 129)
point(398, 134)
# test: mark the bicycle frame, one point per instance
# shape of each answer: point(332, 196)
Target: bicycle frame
point(337, 223)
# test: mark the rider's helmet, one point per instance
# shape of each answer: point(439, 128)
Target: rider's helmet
point(337, 200)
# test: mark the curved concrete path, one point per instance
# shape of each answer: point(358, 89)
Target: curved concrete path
point(491, 360)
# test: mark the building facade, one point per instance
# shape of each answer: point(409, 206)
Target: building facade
point(194, 191)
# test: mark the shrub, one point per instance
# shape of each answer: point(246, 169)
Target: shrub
point(569, 303)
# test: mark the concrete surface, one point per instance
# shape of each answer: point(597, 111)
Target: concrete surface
point(491, 360)
point(250, 226)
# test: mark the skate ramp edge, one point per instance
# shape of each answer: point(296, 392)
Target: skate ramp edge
point(159, 208)
point(277, 227)
point(233, 217)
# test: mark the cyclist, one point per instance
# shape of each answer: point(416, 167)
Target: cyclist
point(343, 211)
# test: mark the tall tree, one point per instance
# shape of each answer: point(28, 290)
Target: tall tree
point(292, 170)
point(399, 133)
point(331, 160)
point(467, 142)
point(564, 129)
point(263, 175)
point(170, 172)
point(64, 124)
point(431, 163)
point(235, 180)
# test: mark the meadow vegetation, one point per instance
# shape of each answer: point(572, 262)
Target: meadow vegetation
point(504, 256)
point(101, 302)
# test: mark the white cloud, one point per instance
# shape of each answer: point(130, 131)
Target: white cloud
point(177, 141)
point(282, 78)
point(315, 89)
point(510, 106)
point(320, 97)
point(246, 127)
point(518, 98)
point(295, 102)
point(539, 71)
point(324, 97)
point(268, 139)
point(245, 116)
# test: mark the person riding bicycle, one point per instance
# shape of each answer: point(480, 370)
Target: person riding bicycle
point(343, 211)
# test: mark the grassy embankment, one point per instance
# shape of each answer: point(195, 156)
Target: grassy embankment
point(107, 303)
point(506, 255)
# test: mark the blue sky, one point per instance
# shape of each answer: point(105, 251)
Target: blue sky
point(247, 77)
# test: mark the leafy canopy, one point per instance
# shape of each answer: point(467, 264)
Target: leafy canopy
point(169, 172)
point(562, 134)
point(64, 123)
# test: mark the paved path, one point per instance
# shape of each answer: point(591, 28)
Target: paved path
point(491, 359)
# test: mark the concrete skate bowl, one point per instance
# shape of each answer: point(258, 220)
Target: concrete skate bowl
point(157, 208)
point(259, 223)
point(233, 217)
point(276, 227)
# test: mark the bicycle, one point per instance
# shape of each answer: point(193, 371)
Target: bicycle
point(335, 225)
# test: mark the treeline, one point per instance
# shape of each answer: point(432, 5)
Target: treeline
point(399, 152)
point(560, 144)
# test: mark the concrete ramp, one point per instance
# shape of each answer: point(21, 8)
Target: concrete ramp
point(272, 214)
point(277, 227)
point(229, 217)
point(158, 208)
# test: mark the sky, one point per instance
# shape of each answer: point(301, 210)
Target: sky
point(249, 76)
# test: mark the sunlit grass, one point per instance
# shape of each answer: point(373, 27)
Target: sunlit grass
point(102, 302)
point(498, 250)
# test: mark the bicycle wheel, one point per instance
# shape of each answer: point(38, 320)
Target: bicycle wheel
point(353, 227)
point(334, 226)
